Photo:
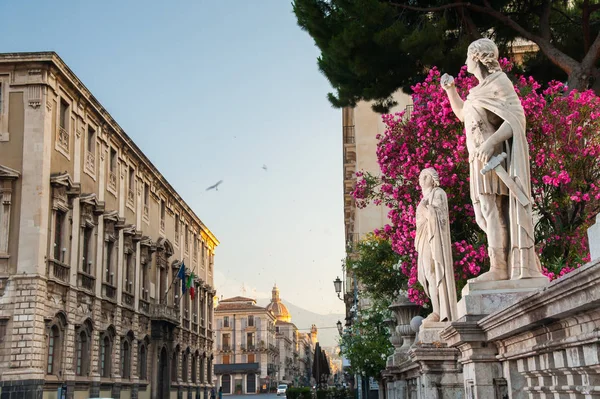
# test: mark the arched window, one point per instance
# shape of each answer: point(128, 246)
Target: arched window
point(53, 350)
point(174, 365)
point(125, 359)
point(105, 354)
point(184, 367)
point(195, 368)
point(82, 353)
point(202, 368)
point(142, 361)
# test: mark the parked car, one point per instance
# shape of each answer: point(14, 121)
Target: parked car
point(281, 389)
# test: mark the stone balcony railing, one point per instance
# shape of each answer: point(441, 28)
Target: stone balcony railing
point(130, 197)
point(63, 138)
point(58, 271)
point(164, 313)
point(90, 162)
point(128, 299)
point(86, 281)
point(109, 291)
point(144, 306)
point(112, 181)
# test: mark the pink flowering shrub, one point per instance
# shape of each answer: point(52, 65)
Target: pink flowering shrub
point(562, 131)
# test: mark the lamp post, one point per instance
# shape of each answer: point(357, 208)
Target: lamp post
point(337, 283)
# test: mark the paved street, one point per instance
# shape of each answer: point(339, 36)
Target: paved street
point(258, 396)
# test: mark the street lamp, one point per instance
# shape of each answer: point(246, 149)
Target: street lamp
point(338, 287)
point(339, 327)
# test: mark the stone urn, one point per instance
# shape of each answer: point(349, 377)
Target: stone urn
point(404, 311)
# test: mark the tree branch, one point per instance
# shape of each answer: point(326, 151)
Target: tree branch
point(545, 20)
point(592, 55)
point(562, 60)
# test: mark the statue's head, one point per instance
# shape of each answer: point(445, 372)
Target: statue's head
point(429, 177)
point(483, 53)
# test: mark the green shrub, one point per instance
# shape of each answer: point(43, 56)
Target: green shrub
point(298, 393)
point(322, 394)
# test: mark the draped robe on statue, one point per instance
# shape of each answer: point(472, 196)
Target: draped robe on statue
point(432, 241)
point(496, 94)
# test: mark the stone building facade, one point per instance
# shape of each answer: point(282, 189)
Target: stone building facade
point(91, 239)
point(246, 352)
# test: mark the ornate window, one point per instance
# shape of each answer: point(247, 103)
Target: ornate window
point(112, 172)
point(111, 249)
point(63, 131)
point(142, 360)
point(146, 211)
point(87, 249)
point(125, 358)
point(175, 365)
point(82, 349)
point(7, 176)
point(195, 368)
point(131, 188)
point(184, 366)
point(54, 344)
point(202, 371)
point(105, 358)
point(90, 153)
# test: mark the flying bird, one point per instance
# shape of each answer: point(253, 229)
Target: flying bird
point(215, 186)
point(264, 167)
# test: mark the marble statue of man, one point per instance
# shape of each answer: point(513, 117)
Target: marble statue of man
point(434, 262)
point(499, 164)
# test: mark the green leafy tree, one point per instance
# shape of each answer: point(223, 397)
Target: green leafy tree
point(366, 343)
point(372, 48)
point(376, 266)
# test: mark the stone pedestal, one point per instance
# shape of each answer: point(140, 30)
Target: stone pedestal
point(486, 297)
point(429, 332)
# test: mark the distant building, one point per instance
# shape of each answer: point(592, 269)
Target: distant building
point(246, 348)
point(92, 237)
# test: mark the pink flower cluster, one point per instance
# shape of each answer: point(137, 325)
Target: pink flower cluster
point(565, 150)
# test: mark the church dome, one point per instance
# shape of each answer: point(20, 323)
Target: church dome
point(277, 307)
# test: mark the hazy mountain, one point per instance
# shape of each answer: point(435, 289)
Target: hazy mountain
point(303, 319)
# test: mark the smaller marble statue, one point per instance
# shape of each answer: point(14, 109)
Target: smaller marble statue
point(432, 241)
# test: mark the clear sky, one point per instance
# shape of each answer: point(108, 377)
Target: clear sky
point(213, 90)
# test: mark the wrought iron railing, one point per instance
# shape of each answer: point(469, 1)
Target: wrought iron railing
point(349, 137)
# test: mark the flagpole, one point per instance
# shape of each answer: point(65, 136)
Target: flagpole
point(182, 282)
point(173, 282)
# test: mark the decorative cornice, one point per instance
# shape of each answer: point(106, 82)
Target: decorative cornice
point(7, 173)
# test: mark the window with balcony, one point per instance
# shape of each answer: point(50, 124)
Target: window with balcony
point(195, 255)
point(87, 259)
point(251, 321)
point(146, 201)
point(226, 321)
point(187, 240)
point(131, 187)
point(90, 155)
point(250, 340)
point(163, 212)
point(225, 359)
point(226, 342)
point(109, 273)
point(177, 229)
point(112, 172)
point(63, 137)
point(59, 249)
point(129, 270)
